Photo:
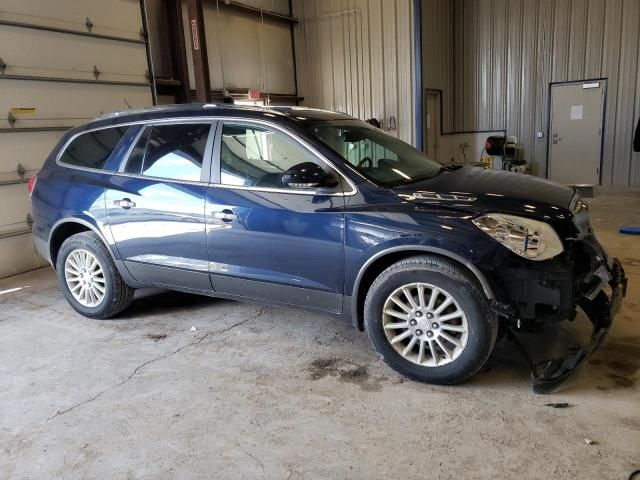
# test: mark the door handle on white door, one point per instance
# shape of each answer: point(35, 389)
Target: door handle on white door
point(225, 215)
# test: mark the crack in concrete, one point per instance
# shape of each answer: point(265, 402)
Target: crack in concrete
point(37, 305)
point(161, 357)
point(249, 454)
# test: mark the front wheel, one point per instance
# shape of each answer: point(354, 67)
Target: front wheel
point(429, 321)
point(89, 279)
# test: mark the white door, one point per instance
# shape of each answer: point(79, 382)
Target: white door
point(65, 62)
point(575, 140)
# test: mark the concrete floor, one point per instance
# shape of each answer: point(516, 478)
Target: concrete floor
point(278, 393)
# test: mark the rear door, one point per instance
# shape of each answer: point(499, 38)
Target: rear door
point(155, 205)
point(266, 240)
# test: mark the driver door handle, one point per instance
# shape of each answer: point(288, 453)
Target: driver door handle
point(226, 215)
point(125, 203)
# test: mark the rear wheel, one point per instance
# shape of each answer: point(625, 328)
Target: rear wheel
point(429, 320)
point(89, 278)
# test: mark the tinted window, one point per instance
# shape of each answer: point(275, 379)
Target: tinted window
point(92, 149)
point(175, 152)
point(252, 156)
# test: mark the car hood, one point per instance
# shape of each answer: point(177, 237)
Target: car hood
point(490, 190)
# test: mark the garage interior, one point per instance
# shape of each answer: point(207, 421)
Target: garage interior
point(181, 386)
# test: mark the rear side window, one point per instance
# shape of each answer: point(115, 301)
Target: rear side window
point(175, 152)
point(92, 149)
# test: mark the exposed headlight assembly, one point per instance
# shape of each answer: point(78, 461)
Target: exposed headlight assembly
point(528, 238)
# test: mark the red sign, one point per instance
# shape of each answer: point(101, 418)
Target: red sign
point(194, 34)
point(254, 94)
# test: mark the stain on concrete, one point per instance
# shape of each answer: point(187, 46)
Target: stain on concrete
point(621, 381)
point(156, 337)
point(343, 370)
point(630, 261)
point(632, 307)
point(621, 357)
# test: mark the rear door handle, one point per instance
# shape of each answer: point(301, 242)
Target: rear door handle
point(125, 203)
point(226, 215)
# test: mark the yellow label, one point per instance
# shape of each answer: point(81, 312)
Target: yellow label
point(22, 110)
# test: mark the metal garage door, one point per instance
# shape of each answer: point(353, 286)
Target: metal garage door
point(61, 64)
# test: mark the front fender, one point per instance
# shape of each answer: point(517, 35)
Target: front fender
point(371, 236)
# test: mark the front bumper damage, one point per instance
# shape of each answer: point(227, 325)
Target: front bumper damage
point(600, 306)
point(600, 309)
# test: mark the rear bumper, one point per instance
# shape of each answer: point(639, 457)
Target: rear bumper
point(41, 246)
point(600, 308)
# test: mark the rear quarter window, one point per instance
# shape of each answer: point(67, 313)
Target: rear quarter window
point(92, 149)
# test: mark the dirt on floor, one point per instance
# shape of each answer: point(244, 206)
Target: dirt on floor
point(266, 392)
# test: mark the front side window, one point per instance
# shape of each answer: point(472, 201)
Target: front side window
point(381, 158)
point(92, 149)
point(174, 152)
point(253, 156)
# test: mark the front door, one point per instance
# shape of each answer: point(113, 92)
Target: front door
point(576, 132)
point(268, 240)
point(155, 205)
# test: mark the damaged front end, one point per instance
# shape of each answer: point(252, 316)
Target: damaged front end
point(586, 278)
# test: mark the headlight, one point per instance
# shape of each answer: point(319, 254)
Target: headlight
point(528, 238)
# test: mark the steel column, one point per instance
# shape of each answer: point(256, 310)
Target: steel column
point(178, 50)
point(199, 51)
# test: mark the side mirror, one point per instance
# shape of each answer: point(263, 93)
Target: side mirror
point(307, 175)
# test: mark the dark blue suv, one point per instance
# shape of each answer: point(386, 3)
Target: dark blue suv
point(316, 209)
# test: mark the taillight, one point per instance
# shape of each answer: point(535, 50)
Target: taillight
point(32, 184)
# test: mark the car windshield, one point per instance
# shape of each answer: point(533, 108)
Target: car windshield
point(381, 158)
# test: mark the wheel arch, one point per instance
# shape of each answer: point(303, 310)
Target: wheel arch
point(383, 259)
point(65, 228)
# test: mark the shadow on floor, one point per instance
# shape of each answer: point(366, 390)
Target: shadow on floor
point(148, 302)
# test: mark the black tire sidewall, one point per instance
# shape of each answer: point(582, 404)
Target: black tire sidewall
point(82, 242)
point(480, 324)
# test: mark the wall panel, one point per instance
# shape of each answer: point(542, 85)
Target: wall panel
point(610, 67)
point(536, 43)
point(498, 61)
point(544, 66)
point(577, 38)
point(514, 65)
point(356, 56)
point(628, 71)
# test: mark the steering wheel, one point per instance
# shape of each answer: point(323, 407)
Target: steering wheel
point(362, 162)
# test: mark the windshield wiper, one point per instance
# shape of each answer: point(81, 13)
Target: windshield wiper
point(448, 168)
point(442, 169)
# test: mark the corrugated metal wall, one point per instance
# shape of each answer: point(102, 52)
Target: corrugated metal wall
point(506, 52)
point(357, 56)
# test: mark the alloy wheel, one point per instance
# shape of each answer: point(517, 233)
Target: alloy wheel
point(85, 278)
point(425, 324)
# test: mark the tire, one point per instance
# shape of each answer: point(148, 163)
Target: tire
point(467, 319)
point(76, 252)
